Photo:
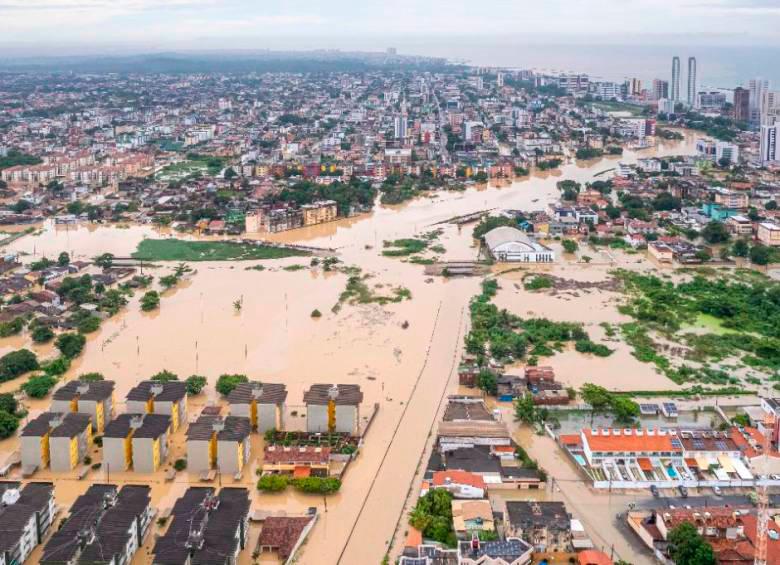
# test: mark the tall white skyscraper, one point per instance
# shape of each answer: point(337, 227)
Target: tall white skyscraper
point(770, 144)
point(675, 79)
point(757, 87)
point(691, 81)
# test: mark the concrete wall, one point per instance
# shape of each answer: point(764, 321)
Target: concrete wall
point(197, 456)
point(114, 453)
point(143, 460)
point(242, 410)
point(60, 406)
point(317, 418)
point(59, 448)
point(90, 407)
point(227, 457)
point(135, 407)
point(268, 418)
point(31, 451)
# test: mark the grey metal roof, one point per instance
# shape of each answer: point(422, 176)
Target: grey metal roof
point(271, 393)
point(348, 395)
point(172, 391)
point(34, 497)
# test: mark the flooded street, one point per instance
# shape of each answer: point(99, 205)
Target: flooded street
point(406, 372)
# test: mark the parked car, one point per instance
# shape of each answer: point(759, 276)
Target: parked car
point(683, 491)
point(654, 491)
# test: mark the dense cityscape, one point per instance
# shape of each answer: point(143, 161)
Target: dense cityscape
point(378, 308)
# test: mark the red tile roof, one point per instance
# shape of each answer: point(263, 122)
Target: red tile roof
point(282, 533)
point(459, 478)
point(629, 440)
point(593, 557)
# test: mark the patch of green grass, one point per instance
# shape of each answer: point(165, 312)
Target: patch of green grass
point(404, 247)
point(181, 250)
point(358, 292)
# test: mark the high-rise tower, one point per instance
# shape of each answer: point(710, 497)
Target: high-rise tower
point(691, 81)
point(676, 79)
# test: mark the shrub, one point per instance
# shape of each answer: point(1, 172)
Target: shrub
point(56, 367)
point(91, 377)
point(316, 313)
point(70, 344)
point(569, 245)
point(317, 485)
point(150, 301)
point(272, 483)
point(11, 328)
point(165, 376)
point(226, 383)
point(17, 363)
point(39, 386)
point(180, 464)
point(587, 346)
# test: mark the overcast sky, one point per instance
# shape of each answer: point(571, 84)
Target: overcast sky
point(162, 24)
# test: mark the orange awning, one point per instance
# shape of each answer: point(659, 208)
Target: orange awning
point(644, 464)
point(691, 462)
point(300, 472)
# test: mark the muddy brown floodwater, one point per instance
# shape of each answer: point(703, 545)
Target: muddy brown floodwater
point(406, 372)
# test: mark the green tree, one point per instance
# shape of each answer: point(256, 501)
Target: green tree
point(486, 381)
point(169, 281)
point(525, 409)
point(715, 232)
point(569, 245)
point(771, 205)
point(39, 386)
point(740, 248)
point(687, 547)
point(760, 254)
point(17, 363)
point(195, 384)
point(598, 397)
point(8, 403)
point(106, 260)
point(226, 383)
point(150, 301)
point(432, 515)
point(42, 334)
point(63, 260)
point(70, 344)
point(8, 424)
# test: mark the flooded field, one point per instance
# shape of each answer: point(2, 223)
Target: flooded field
point(406, 372)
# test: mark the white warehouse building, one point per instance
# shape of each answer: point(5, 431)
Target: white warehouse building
point(512, 245)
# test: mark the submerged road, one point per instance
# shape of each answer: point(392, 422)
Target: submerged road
point(375, 523)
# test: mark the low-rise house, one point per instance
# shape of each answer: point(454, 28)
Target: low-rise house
point(739, 225)
point(511, 551)
point(219, 443)
point(768, 233)
point(306, 460)
point(26, 515)
point(284, 535)
point(546, 525)
point(205, 528)
point(512, 245)
point(333, 408)
point(152, 397)
point(461, 484)
point(59, 441)
point(137, 441)
point(262, 403)
point(105, 526)
point(731, 532)
point(95, 399)
point(459, 434)
point(472, 516)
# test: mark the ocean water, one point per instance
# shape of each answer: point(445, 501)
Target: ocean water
point(718, 66)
